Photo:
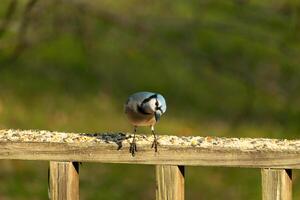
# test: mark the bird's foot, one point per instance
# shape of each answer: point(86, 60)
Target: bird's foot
point(132, 148)
point(154, 145)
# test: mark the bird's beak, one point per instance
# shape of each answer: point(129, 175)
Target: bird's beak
point(157, 115)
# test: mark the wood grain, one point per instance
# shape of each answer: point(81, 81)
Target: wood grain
point(276, 184)
point(165, 155)
point(64, 181)
point(169, 182)
point(172, 150)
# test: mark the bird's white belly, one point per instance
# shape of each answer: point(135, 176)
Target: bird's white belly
point(138, 119)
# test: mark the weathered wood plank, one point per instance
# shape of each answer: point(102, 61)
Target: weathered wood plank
point(172, 150)
point(169, 182)
point(276, 184)
point(64, 180)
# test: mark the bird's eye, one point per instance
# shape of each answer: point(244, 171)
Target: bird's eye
point(156, 103)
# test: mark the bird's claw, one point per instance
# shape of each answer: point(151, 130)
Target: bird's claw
point(132, 148)
point(154, 145)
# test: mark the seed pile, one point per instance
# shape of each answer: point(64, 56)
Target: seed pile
point(214, 143)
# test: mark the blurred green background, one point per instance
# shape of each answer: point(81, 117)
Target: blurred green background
point(226, 68)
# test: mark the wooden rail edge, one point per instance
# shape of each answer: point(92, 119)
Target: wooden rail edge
point(172, 150)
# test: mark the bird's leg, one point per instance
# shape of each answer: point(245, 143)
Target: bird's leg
point(154, 144)
point(132, 148)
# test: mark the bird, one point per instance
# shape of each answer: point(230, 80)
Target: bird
point(144, 109)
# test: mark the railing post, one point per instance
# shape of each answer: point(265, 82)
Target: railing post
point(276, 184)
point(169, 182)
point(64, 180)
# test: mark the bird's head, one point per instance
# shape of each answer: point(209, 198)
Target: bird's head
point(155, 104)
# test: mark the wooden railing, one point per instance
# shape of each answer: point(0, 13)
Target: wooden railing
point(275, 158)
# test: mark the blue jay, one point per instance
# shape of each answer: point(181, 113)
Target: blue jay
point(144, 109)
